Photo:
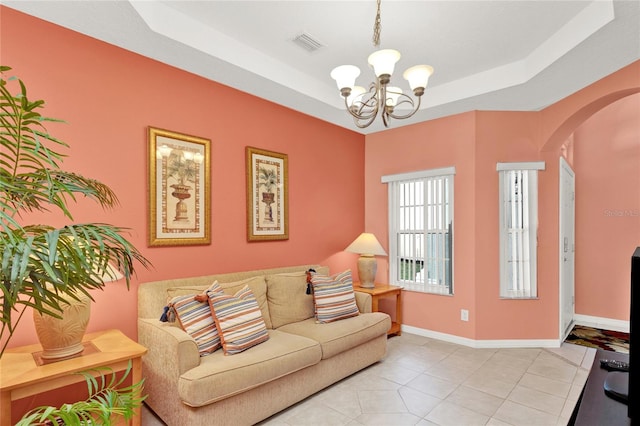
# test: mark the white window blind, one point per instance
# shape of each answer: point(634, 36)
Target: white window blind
point(518, 229)
point(421, 230)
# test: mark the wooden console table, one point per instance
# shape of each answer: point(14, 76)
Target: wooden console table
point(381, 291)
point(594, 408)
point(22, 374)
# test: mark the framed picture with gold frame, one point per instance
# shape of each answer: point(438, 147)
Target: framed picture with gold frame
point(267, 195)
point(179, 189)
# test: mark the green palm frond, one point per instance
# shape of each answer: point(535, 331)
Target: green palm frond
point(108, 402)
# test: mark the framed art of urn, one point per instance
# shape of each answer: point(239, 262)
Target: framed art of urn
point(179, 189)
point(267, 195)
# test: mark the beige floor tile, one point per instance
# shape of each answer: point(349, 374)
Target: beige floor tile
point(517, 414)
point(587, 362)
point(539, 400)
point(368, 381)
point(432, 385)
point(395, 372)
point(381, 402)
point(497, 383)
point(501, 359)
point(572, 353)
point(453, 369)
point(567, 410)
point(420, 362)
point(474, 400)
point(318, 413)
point(520, 353)
point(424, 422)
point(442, 346)
point(574, 392)
point(448, 413)
point(581, 377)
point(343, 400)
point(396, 419)
point(495, 422)
point(418, 403)
point(545, 384)
point(548, 365)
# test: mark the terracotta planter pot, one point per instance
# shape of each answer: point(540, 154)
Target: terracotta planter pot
point(61, 338)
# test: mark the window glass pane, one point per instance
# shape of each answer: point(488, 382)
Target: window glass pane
point(423, 228)
point(517, 242)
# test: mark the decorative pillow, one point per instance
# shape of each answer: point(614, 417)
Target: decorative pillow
point(238, 319)
point(287, 298)
point(257, 285)
point(333, 297)
point(194, 315)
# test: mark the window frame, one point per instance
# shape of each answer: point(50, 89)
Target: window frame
point(394, 205)
point(530, 212)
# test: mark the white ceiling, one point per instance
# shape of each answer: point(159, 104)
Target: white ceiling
point(487, 55)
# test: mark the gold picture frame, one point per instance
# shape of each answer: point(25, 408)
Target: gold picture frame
point(179, 189)
point(267, 195)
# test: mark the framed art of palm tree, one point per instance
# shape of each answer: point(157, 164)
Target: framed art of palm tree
point(267, 195)
point(179, 189)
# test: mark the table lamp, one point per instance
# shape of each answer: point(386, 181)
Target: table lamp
point(367, 246)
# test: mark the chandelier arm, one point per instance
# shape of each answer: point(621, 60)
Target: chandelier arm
point(365, 124)
point(410, 101)
point(365, 110)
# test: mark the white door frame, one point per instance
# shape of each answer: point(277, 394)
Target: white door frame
point(565, 170)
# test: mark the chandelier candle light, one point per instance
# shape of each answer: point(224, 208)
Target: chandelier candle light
point(367, 246)
point(364, 105)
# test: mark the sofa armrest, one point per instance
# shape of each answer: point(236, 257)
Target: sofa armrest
point(171, 351)
point(363, 300)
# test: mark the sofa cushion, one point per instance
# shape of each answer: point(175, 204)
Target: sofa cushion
point(340, 336)
point(257, 285)
point(333, 297)
point(288, 299)
point(218, 376)
point(195, 318)
point(238, 319)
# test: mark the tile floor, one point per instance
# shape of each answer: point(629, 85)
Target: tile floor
point(424, 381)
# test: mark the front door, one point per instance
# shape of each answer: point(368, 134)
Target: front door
point(567, 248)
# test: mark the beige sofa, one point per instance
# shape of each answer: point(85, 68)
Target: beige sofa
point(300, 358)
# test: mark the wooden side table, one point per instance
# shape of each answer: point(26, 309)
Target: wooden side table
point(382, 291)
point(22, 373)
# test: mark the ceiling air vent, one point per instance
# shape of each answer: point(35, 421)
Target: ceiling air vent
point(307, 42)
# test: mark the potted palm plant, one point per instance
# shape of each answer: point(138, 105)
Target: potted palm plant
point(41, 266)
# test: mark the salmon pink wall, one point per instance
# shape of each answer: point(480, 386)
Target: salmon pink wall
point(474, 143)
point(607, 166)
point(109, 96)
point(439, 143)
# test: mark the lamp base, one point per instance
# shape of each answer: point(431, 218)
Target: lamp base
point(367, 268)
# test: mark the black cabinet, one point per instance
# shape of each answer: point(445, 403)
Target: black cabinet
point(594, 408)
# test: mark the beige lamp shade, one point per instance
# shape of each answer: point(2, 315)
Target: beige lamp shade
point(367, 246)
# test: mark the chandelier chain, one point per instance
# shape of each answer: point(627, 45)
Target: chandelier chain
point(376, 27)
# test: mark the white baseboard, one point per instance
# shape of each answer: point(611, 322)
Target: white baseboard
point(506, 343)
point(600, 322)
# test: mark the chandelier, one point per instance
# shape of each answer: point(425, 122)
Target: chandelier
point(364, 105)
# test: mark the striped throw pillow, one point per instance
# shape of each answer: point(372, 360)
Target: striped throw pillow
point(238, 319)
point(333, 297)
point(195, 318)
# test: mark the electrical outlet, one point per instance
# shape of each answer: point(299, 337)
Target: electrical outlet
point(464, 315)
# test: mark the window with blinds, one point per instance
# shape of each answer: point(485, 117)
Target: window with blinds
point(518, 229)
point(421, 230)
